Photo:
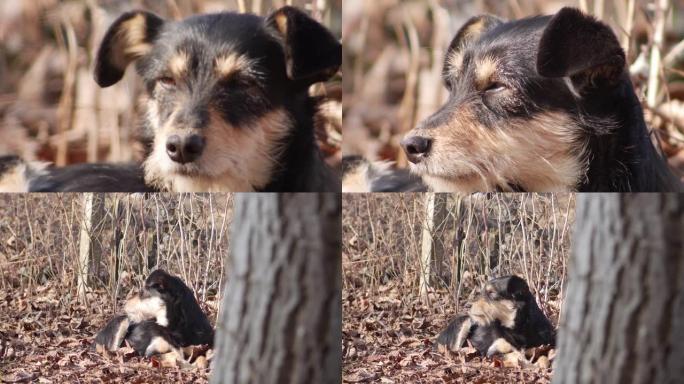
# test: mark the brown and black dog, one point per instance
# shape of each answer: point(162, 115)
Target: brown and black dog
point(163, 317)
point(505, 318)
point(540, 104)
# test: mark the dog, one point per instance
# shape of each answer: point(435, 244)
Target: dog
point(18, 175)
point(227, 105)
point(361, 175)
point(147, 337)
point(538, 104)
point(163, 317)
point(505, 318)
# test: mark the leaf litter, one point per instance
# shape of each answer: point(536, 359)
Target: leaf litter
point(46, 337)
point(388, 338)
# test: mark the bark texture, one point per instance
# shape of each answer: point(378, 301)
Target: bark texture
point(281, 315)
point(432, 249)
point(90, 247)
point(624, 309)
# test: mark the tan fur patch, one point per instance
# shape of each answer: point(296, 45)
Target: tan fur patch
point(474, 29)
point(131, 40)
point(237, 159)
point(455, 58)
point(17, 179)
point(356, 180)
point(484, 312)
point(462, 335)
point(455, 62)
point(485, 69)
point(501, 346)
point(120, 335)
point(138, 309)
point(229, 64)
point(159, 345)
point(14, 180)
point(178, 65)
point(542, 154)
point(281, 23)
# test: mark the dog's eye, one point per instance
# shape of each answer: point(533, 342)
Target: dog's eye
point(495, 87)
point(167, 81)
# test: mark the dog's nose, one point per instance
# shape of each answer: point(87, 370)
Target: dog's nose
point(184, 149)
point(416, 148)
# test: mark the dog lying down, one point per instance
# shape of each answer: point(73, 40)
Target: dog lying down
point(504, 319)
point(163, 318)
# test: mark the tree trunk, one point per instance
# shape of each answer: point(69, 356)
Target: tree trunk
point(281, 313)
point(432, 248)
point(624, 307)
point(90, 248)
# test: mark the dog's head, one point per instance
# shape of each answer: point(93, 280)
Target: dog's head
point(523, 97)
point(500, 301)
point(165, 286)
point(220, 88)
point(507, 288)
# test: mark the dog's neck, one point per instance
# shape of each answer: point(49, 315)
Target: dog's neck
point(302, 167)
point(624, 159)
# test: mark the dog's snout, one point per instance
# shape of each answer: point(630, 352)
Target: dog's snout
point(416, 147)
point(184, 149)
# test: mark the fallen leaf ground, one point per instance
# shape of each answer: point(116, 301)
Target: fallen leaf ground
point(46, 338)
point(388, 338)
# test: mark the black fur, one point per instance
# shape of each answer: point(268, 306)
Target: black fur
point(140, 336)
point(9, 162)
point(107, 336)
point(90, 178)
point(286, 59)
point(188, 325)
point(579, 46)
point(534, 56)
point(312, 54)
point(379, 178)
point(531, 327)
point(110, 69)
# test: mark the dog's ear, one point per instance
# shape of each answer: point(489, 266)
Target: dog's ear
point(470, 31)
point(129, 38)
point(312, 53)
point(578, 46)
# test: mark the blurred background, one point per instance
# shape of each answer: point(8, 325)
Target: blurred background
point(52, 110)
point(393, 56)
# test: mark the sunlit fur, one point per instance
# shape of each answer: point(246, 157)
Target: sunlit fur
point(540, 104)
point(235, 158)
point(544, 153)
point(131, 41)
point(485, 312)
point(231, 63)
point(111, 337)
point(462, 335)
point(160, 345)
point(139, 309)
point(16, 174)
point(500, 346)
point(503, 319)
point(233, 88)
point(14, 179)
